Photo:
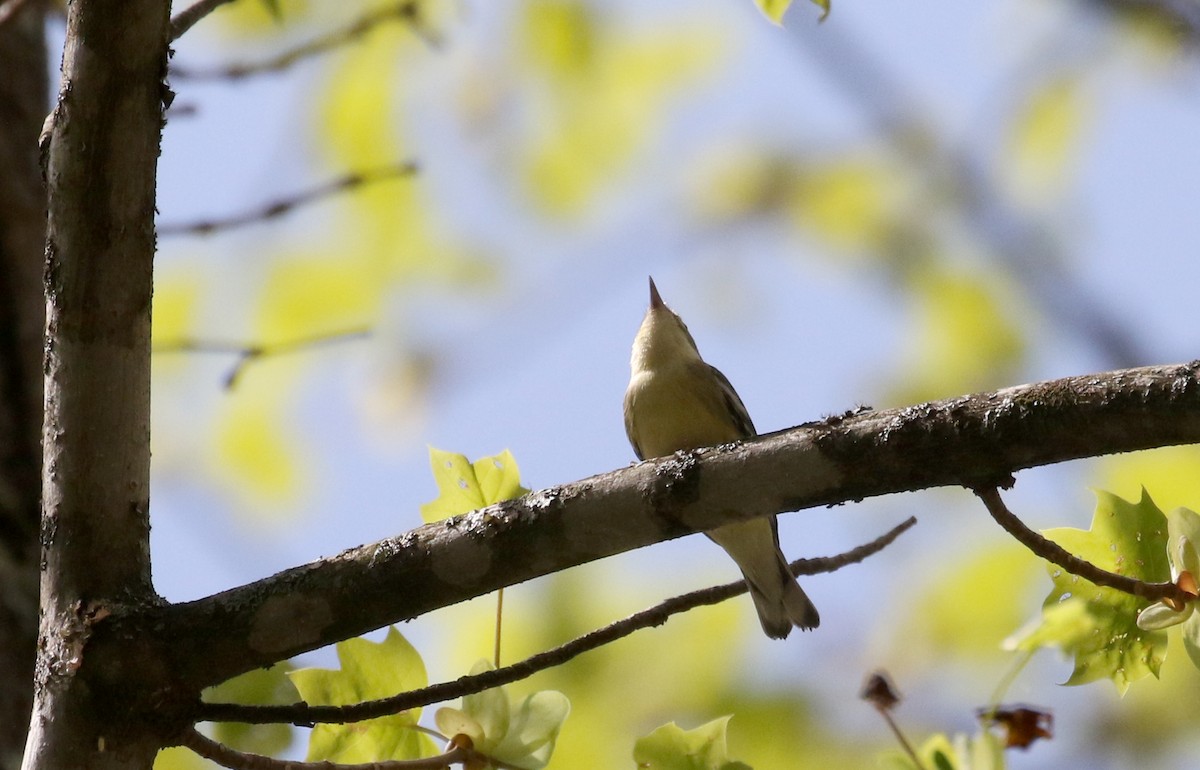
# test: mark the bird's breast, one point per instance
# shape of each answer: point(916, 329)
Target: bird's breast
point(673, 410)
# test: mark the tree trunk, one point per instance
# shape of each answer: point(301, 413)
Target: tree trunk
point(24, 101)
point(90, 703)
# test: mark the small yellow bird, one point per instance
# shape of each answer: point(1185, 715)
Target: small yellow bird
point(676, 401)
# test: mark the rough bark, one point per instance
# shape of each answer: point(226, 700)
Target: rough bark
point(24, 101)
point(89, 709)
point(972, 440)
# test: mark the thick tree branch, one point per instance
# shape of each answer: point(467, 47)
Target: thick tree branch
point(969, 441)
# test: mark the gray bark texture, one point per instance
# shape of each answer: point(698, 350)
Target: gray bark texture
point(971, 441)
point(90, 703)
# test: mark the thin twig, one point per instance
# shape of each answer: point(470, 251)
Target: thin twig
point(407, 11)
point(239, 760)
point(249, 353)
point(904, 744)
point(305, 715)
point(1055, 553)
point(881, 693)
point(187, 18)
point(499, 625)
point(285, 205)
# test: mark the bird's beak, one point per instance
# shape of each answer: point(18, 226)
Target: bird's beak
point(655, 300)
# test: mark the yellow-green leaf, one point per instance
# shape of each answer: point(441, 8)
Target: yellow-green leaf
point(258, 687)
point(1098, 626)
point(465, 486)
point(369, 671)
point(517, 734)
point(670, 747)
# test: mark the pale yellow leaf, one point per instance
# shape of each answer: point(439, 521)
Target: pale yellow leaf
point(305, 296)
point(598, 111)
point(852, 204)
point(256, 452)
point(1045, 138)
point(966, 337)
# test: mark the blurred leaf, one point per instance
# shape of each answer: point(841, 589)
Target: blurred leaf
point(263, 18)
point(1046, 136)
point(943, 619)
point(258, 687)
point(464, 486)
point(519, 734)
point(775, 9)
point(369, 671)
point(256, 449)
point(393, 225)
point(1170, 472)
point(741, 182)
point(176, 303)
point(670, 747)
point(273, 8)
point(176, 295)
point(307, 296)
point(853, 203)
point(1098, 625)
point(559, 37)
point(605, 96)
point(966, 337)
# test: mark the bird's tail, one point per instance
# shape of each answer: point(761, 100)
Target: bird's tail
point(783, 606)
point(780, 601)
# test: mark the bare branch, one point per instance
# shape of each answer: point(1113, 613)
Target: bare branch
point(238, 760)
point(407, 11)
point(247, 354)
point(305, 715)
point(1056, 554)
point(881, 693)
point(285, 205)
point(187, 18)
